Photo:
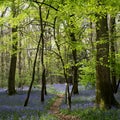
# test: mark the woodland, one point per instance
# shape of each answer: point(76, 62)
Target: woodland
point(59, 59)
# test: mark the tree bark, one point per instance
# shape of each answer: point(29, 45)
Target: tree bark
point(20, 65)
point(2, 60)
point(113, 52)
point(75, 67)
point(12, 71)
point(43, 90)
point(104, 94)
point(33, 74)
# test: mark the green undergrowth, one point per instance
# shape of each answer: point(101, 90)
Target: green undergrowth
point(50, 102)
point(48, 117)
point(40, 117)
point(94, 114)
point(50, 89)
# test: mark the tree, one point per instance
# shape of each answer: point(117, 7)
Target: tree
point(74, 55)
point(74, 67)
point(2, 53)
point(42, 55)
point(12, 71)
point(104, 93)
point(115, 85)
point(67, 90)
point(33, 73)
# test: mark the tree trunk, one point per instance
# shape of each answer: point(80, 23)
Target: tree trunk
point(43, 85)
point(38, 67)
point(12, 71)
point(43, 90)
point(67, 91)
point(2, 60)
point(113, 62)
point(2, 53)
point(75, 67)
point(104, 94)
point(20, 65)
point(33, 74)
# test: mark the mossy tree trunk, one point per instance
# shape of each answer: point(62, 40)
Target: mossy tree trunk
point(104, 94)
point(75, 67)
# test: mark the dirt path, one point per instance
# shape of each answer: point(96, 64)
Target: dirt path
point(54, 109)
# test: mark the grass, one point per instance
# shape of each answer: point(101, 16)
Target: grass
point(16, 116)
point(40, 117)
point(83, 108)
point(94, 114)
point(50, 102)
point(48, 117)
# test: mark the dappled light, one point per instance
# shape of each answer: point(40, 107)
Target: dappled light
point(59, 59)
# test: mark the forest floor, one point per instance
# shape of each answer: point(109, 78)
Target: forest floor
point(12, 107)
point(55, 109)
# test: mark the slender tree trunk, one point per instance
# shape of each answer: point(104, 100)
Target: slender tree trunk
point(33, 74)
point(43, 90)
point(20, 65)
point(2, 69)
point(113, 52)
point(67, 91)
point(2, 60)
point(92, 36)
point(2, 53)
point(38, 67)
point(7, 65)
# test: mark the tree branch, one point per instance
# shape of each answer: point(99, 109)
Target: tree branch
point(45, 4)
